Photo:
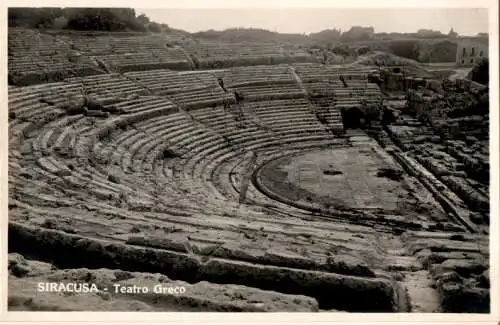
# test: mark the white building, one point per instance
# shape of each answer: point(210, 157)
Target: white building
point(469, 51)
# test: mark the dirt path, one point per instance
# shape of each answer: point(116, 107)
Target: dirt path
point(460, 74)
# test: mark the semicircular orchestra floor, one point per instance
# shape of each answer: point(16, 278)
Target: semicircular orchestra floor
point(350, 177)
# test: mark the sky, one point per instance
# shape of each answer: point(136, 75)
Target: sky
point(465, 21)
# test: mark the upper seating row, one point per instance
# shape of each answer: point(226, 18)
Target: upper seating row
point(33, 52)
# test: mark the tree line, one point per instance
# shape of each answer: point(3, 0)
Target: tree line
point(84, 19)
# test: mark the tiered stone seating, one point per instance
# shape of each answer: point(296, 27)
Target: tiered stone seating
point(35, 57)
point(63, 134)
point(329, 95)
point(330, 114)
point(261, 82)
point(191, 89)
point(171, 59)
point(212, 54)
point(312, 71)
point(298, 52)
point(156, 130)
point(25, 106)
point(118, 43)
point(459, 265)
point(160, 181)
point(355, 95)
point(78, 53)
point(294, 124)
point(285, 113)
point(92, 176)
point(41, 149)
point(23, 42)
point(255, 74)
point(140, 104)
point(259, 133)
point(216, 49)
point(104, 89)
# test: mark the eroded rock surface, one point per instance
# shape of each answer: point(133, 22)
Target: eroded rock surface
point(26, 275)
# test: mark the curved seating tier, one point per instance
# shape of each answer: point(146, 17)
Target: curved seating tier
point(208, 51)
point(311, 71)
point(150, 125)
point(36, 56)
point(174, 59)
point(251, 75)
point(121, 44)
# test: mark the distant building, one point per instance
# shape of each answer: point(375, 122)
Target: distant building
point(429, 33)
point(470, 50)
point(452, 34)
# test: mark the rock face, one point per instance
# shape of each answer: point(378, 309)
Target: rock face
point(315, 284)
point(119, 291)
point(455, 113)
point(452, 141)
point(460, 272)
point(458, 297)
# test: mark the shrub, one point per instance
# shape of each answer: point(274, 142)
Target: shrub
point(480, 72)
point(363, 50)
point(154, 27)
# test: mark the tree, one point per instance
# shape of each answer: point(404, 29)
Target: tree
point(106, 19)
point(165, 28)
point(109, 19)
point(143, 19)
point(33, 17)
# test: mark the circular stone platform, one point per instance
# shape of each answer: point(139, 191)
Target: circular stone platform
point(348, 178)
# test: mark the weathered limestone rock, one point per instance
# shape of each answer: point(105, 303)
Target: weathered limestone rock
point(201, 296)
point(462, 298)
point(484, 279)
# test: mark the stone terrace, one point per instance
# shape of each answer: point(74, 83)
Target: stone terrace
point(36, 57)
